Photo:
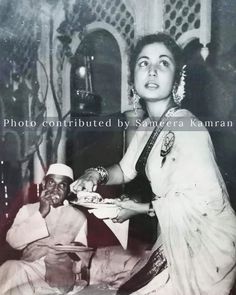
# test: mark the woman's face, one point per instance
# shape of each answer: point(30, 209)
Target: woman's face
point(154, 72)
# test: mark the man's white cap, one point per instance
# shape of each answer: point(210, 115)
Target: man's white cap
point(60, 169)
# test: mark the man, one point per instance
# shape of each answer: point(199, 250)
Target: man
point(36, 228)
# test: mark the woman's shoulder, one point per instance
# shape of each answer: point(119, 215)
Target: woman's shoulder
point(190, 121)
point(192, 130)
point(184, 113)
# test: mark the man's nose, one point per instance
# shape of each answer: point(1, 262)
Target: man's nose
point(55, 187)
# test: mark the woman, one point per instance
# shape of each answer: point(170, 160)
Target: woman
point(195, 251)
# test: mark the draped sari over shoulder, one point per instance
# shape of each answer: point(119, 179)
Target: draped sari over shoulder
point(197, 223)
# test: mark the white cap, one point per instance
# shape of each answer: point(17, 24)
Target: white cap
point(60, 169)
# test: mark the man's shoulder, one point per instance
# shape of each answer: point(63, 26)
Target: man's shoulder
point(30, 207)
point(69, 216)
point(70, 208)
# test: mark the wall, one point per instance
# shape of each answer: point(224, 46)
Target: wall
point(221, 87)
point(223, 25)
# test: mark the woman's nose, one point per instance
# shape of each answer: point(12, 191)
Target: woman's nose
point(153, 70)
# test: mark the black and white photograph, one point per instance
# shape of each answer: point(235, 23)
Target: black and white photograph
point(117, 147)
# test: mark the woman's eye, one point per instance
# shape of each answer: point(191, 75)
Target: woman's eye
point(165, 63)
point(143, 63)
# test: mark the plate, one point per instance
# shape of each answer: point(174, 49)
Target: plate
point(70, 248)
point(92, 205)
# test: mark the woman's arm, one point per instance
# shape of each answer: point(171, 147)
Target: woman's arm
point(115, 175)
point(130, 208)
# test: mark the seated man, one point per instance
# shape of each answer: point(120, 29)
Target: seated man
point(51, 221)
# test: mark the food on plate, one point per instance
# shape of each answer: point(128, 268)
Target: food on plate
point(91, 197)
point(88, 197)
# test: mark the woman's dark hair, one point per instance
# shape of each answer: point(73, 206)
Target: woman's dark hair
point(157, 38)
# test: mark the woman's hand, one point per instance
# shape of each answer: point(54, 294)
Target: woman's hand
point(123, 215)
point(127, 203)
point(129, 208)
point(90, 179)
point(87, 182)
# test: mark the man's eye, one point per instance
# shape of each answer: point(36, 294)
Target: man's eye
point(50, 182)
point(62, 185)
point(165, 63)
point(143, 63)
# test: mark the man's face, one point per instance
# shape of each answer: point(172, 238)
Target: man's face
point(57, 187)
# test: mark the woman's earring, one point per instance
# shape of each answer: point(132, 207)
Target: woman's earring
point(178, 91)
point(135, 100)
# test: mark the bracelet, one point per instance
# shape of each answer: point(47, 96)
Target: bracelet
point(151, 211)
point(103, 174)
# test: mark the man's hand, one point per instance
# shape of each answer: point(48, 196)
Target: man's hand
point(59, 271)
point(45, 203)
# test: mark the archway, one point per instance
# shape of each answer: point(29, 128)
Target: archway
point(96, 68)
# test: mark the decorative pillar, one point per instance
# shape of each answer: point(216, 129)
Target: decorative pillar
point(61, 152)
point(38, 168)
point(155, 16)
point(43, 70)
point(205, 29)
point(148, 16)
point(43, 55)
point(63, 99)
point(52, 14)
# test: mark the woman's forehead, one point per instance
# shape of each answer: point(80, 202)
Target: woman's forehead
point(155, 49)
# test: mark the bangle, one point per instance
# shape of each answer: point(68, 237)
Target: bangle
point(103, 174)
point(151, 211)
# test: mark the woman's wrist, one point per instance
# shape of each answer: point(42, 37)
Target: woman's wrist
point(102, 173)
point(136, 205)
point(141, 208)
point(145, 208)
point(151, 211)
